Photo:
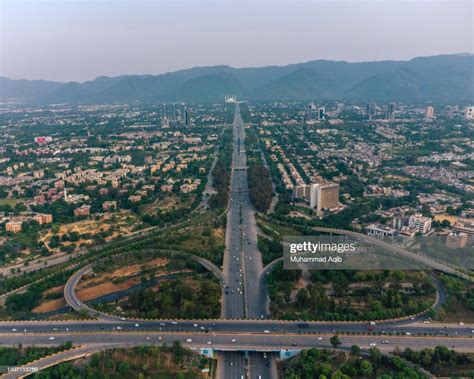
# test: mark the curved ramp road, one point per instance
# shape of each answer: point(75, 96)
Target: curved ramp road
point(73, 301)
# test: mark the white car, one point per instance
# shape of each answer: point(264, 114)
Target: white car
point(373, 344)
point(266, 331)
point(320, 338)
point(209, 342)
point(233, 340)
point(51, 338)
point(13, 330)
point(119, 328)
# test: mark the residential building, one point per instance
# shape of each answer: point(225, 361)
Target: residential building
point(43, 218)
point(13, 226)
point(422, 224)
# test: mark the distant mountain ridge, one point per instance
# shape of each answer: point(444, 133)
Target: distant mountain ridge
point(445, 78)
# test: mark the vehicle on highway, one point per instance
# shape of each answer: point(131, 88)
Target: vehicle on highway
point(51, 338)
point(266, 331)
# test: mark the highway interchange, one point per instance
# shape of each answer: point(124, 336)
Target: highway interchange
point(245, 339)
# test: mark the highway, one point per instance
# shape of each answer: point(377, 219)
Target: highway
point(232, 364)
point(245, 294)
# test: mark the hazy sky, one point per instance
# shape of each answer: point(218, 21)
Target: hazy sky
point(80, 40)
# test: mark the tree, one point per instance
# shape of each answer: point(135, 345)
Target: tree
point(375, 356)
point(365, 369)
point(335, 342)
point(355, 349)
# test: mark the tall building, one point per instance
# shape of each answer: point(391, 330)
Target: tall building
point(469, 113)
point(187, 118)
point(390, 113)
point(324, 195)
point(321, 115)
point(182, 111)
point(369, 110)
point(429, 112)
point(311, 112)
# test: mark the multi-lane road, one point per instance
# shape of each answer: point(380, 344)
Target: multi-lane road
point(244, 296)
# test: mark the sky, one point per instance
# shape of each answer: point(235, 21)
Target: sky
point(80, 40)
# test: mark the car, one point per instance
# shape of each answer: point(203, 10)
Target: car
point(122, 318)
point(372, 323)
point(174, 322)
point(461, 323)
point(195, 325)
point(293, 344)
point(54, 329)
point(189, 340)
point(266, 331)
point(209, 342)
point(13, 330)
point(51, 338)
point(233, 340)
point(162, 324)
point(148, 338)
point(137, 325)
point(119, 328)
point(265, 355)
point(372, 344)
point(385, 342)
point(320, 338)
point(408, 333)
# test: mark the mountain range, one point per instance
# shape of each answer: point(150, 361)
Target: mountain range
point(442, 78)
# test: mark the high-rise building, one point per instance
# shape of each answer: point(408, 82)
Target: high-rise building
point(182, 111)
point(311, 112)
point(390, 113)
point(324, 195)
point(429, 112)
point(369, 110)
point(469, 113)
point(173, 111)
point(321, 114)
point(187, 118)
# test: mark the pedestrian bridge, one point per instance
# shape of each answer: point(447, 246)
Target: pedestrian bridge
point(283, 354)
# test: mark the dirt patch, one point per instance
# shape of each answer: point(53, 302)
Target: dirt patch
point(50, 305)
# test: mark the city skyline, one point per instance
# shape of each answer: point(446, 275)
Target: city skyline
point(78, 41)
